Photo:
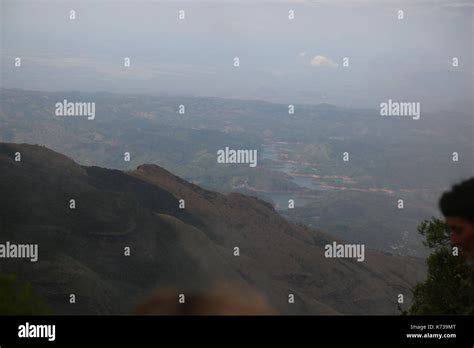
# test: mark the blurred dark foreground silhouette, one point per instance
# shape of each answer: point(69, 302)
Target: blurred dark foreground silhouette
point(457, 206)
point(219, 300)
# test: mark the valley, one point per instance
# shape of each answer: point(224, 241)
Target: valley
point(299, 156)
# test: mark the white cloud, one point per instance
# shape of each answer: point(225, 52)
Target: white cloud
point(323, 61)
point(303, 54)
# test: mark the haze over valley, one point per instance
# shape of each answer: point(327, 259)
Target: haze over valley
point(292, 146)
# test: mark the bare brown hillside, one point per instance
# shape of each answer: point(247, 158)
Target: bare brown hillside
point(81, 250)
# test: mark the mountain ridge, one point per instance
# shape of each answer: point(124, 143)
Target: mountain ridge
point(81, 250)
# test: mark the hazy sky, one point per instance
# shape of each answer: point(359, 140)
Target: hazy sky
point(281, 60)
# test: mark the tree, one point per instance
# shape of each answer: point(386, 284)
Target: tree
point(18, 298)
point(449, 287)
